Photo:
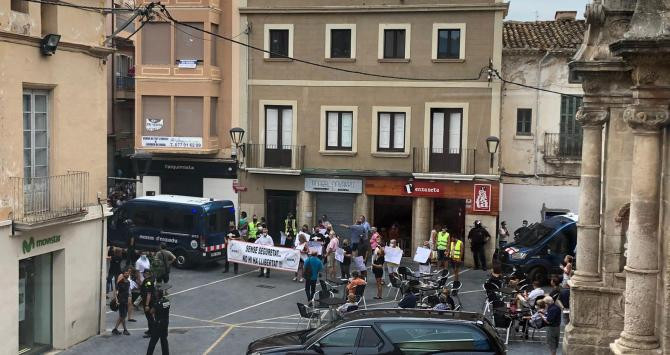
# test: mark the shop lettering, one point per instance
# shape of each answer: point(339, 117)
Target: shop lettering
point(179, 167)
point(427, 189)
point(262, 251)
point(160, 239)
point(31, 243)
point(261, 262)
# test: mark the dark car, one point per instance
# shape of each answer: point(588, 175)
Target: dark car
point(389, 331)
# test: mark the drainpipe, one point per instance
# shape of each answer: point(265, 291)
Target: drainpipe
point(102, 263)
point(537, 110)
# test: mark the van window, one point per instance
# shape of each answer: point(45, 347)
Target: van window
point(435, 337)
point(143, 216)
point(177, 221)
point(217, 221)
point(560, 244)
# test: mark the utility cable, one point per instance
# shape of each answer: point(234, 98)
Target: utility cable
point(494, 72)
point(81, 7)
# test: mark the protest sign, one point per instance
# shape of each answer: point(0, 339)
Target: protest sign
point(315, 246)
point(393, 255)
point(422, 254)
point(339, 255)
point(359, 263)
point(278, 258)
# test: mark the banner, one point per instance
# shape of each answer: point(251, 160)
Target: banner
point(393, 255)
point(268, 256)
point(422, 254)
point(339, 255)
point(315, 246)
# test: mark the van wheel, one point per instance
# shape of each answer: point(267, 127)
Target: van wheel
point(538, 273)
point(182, 261)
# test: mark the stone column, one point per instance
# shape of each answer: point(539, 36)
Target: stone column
point(305, 209)
point(638, 336)
point(588, 227)
point(421, 212)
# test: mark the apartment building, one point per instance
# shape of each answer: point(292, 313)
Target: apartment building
point(407, 150)
point(541, 141)
point(185, 82)
point(53, 165)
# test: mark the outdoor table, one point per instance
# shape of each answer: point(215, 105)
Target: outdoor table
point(507, 290)
point(332, 303)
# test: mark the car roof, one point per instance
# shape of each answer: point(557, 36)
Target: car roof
point(412, 314)
point(184, 200)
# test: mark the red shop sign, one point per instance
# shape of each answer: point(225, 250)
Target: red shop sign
point(481, 199)
point(424, 189)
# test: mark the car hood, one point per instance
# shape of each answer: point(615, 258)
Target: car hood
point(288, 340)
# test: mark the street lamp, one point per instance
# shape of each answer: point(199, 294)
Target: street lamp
point(236, 134)
point(49, 43)
point(141, 163)
point(492, 143)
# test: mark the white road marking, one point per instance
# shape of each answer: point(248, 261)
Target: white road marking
point(472, 291)
point(259, 304)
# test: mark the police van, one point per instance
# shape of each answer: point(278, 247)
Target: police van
point(192, 228)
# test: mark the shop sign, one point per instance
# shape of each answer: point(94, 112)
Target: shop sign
point(171, 142)
point(350, 186)
point(153, 124)
point(482, 198)
point(194, 167)
point(187, 63)
point(424, 189)
point(30, 244)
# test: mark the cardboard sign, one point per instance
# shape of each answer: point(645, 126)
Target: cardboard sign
point(359, 263)
point(393, 255)
point(315, 246)
point(268, 256)
point(339, 255)
point(422, 254)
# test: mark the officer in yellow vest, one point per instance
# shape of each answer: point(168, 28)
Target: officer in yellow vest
point(253, 229)
point(456, 255)
point(290, 230)
point(442, 247)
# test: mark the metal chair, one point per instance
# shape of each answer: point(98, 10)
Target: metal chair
point(395, 283)
point(430, 301)
point(501, 320)
point(406, 273)
point(327, 286)
point(491, 296)
point(359, 291)
point(323, 294)
point(308, 313)
point(455, 286)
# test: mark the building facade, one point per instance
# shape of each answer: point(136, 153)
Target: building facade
point(619, 294)
point(407, 149)
point(52, 167)
point(185, 82)
point(540, 138)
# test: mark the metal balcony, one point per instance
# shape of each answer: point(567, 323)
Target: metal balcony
point(448, 161)
point(563, 146)
point(261, 156)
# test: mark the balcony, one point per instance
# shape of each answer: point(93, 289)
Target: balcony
point(562, 147)
point(444, 161)
point(273, 159)
point(40, 201)
point(125, 88)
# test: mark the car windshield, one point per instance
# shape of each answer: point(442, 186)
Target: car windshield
point(534, 234)
point(319, 330)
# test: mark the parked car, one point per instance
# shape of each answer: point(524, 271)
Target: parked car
point(389, 331)
point(193, 228)
point(540, 249)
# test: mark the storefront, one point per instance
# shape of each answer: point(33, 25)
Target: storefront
point(53, 290)
point(335, 198)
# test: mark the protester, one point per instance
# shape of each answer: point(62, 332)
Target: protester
point(147, 291)
point(478, 238)
point(121, 297)
point(566, 267)
point(345, 265)
point(350, 306)
point(311, 270)
point(115, 256)
point(375, 238)
point(142, 264)
point(290, 230)
point(365, 225)
point(161, 264)
point(331, 248)
point(161, 314)
point(392, 268)
point(528, 300)
point(364, 251)
point(243, 225)
point(253, 229)
point(408, 300)
point(233, 234)
point(552, 322)
point(378, 270)
point(134, 292)
point(356, 230)
point(456, 255)
point(496, 276)
point(304, 231)
point(355, 282)
point(264, 239)
point(444, 304)
point(442, 248)
point(304, 252)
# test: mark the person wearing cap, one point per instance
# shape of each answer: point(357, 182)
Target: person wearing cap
point(161, 313)
point(233, 234)
point(147, 294)
point(479, 236)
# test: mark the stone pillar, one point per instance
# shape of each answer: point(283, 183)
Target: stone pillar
point(588, 228)
point(305, 209)
point(638, 336)
point(421, 213)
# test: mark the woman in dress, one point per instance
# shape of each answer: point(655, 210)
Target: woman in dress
point(304, 250)
point(378, 270)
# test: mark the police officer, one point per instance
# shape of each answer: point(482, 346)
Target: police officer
point(455, 255)
point(161, 314)
point(148, 292)
point(233, 234)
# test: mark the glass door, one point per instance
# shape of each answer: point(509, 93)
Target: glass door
point(35, 303)
point(278, 136)
point(445, 141)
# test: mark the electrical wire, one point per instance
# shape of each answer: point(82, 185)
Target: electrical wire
point(81, 7)
point(493, 72)
point(137, 30)
point(279, 55)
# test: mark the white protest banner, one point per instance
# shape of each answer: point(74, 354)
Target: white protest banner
point(315, 246)
point(268, 256)
point(422, 254)
point(339, 255)
point(359, 263)
point(392, 255)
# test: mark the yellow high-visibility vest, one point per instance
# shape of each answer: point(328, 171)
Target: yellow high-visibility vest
point(442, 240)
point(456, 250)
point(290, 224)
point(253, 230)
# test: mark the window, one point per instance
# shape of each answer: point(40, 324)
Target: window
point(189, 42)
point(345, 337)
point(214, 45)
point(218, 220)
point(339, 128)
point(35, 134)
point(448, 41)
point(278, 127)
point(369, 338)
point(19, 5)
point(340, 43)
point(394, 44)
point(569, 107)
point(436, 337)
point(391, 131)
point(188, 118)
point(143, 216)
point(213, 117)
point(278, 41)
point(176, 221)
point(523, 121)
point(156, 43)
point(156, 116)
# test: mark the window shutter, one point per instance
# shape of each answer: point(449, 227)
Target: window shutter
point(287, 128)
point(347, 123)
point(271, 128)
point(399, 131)
point(384, 131)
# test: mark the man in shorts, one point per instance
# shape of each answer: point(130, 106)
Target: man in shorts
point(333, 244)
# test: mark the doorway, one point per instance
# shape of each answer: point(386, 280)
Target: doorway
point(450, 212)
point(390, 210)
point(181, 185)
point(445, 140)
point(35, 303)
point(279, 204)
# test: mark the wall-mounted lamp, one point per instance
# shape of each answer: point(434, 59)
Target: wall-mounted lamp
point(49, 43)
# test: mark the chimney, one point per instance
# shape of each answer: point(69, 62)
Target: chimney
point(565, 15)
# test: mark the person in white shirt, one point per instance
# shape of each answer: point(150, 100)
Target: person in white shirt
point(529, 299)
point(302, 247)
point(142, 264)
point(264, 239)
point(304, 231)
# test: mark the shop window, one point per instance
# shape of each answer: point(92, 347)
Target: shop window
point(339, 128)
point(35, 304)
point(391, 131)
point(19, 6)
point(524, 118)
point(156, 43)
point(188, 116)
point(213, 116)
point(189, 42)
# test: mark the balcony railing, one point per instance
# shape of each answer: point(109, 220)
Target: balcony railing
point(39, 200)
point(125, 82)
point(275, 157)
point(564, 146)
point(452, 161)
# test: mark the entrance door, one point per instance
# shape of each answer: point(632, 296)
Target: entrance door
point(278, 136)
point(35, 304)
point(445, 140)
point(278, 205)
point(339, 208)
point(450, 212)
point(391, 210)
point(181, 185)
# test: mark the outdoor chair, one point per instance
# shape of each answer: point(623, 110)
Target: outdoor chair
point(501, 320)
point(397, 284)
point(359, 291)
point(328, 287)
point(308, 313)
point(455, 286)
point(322, 294)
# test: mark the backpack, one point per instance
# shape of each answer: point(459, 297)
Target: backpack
point(307, 270)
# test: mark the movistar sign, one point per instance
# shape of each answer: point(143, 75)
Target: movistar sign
point(31, 243)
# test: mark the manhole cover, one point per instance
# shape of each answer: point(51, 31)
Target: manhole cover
point(265, 286)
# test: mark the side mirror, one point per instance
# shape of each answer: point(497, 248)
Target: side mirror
point(317, 348)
